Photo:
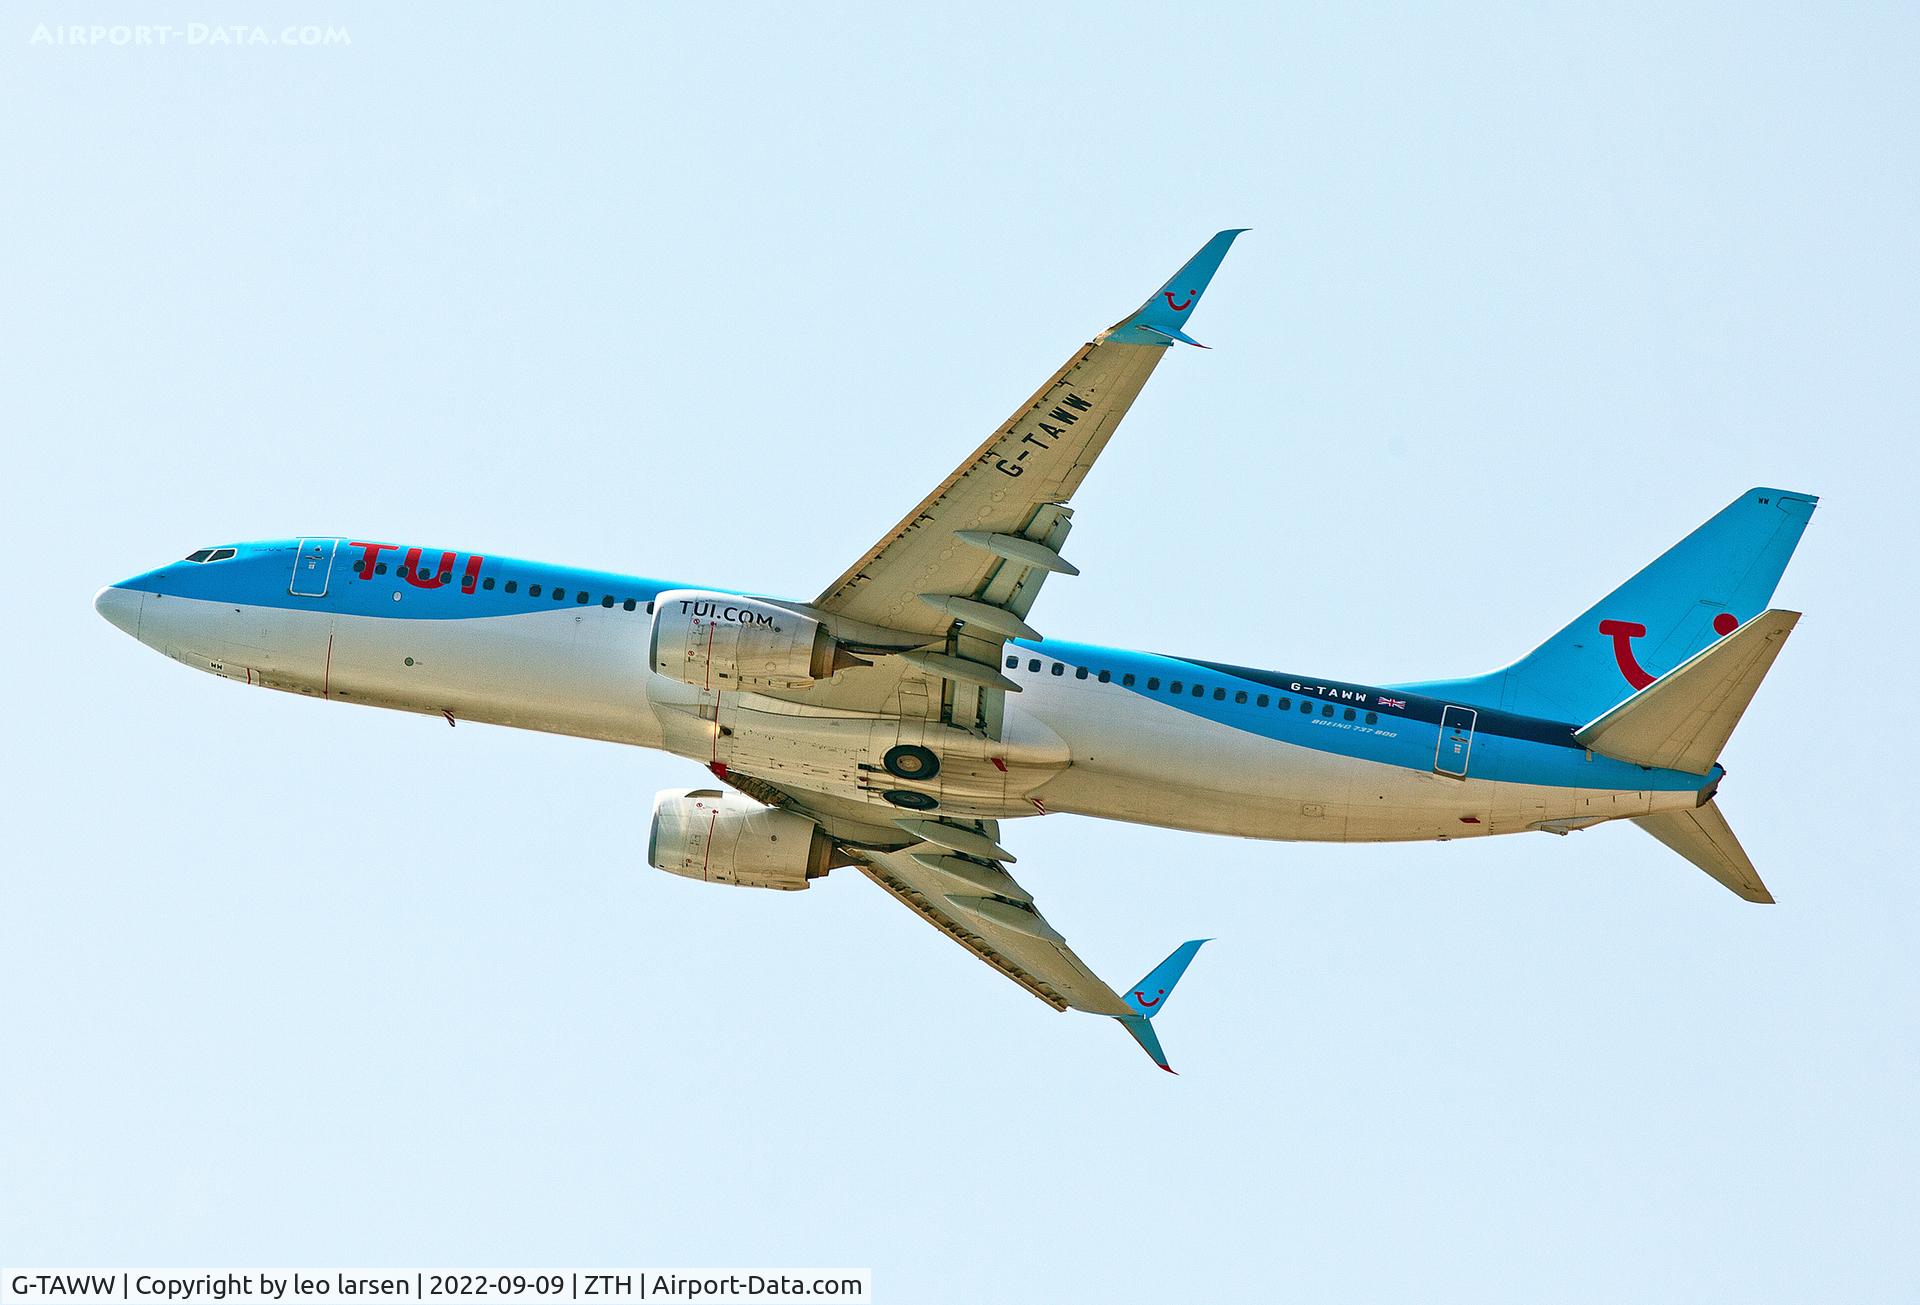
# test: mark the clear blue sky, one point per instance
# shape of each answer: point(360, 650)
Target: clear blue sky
point(717, 296)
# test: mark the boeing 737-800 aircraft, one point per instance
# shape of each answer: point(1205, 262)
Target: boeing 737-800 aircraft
point(894, 721)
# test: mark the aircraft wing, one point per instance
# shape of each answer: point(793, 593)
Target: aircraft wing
point(970, 897)
point(984, 909)
point(976, 549)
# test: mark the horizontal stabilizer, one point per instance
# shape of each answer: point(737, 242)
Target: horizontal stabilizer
point(1703, 836)
point(1683, 719)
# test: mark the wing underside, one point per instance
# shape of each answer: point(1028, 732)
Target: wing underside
point(984, 909)
point(959, 573)
point(925, 614)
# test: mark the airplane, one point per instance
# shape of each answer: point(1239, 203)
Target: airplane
point(894, 721)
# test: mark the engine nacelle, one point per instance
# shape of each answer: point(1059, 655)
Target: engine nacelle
point(728, 838)
point(717, 641)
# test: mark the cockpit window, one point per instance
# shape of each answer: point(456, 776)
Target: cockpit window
point(210, 554)
point(221, 554)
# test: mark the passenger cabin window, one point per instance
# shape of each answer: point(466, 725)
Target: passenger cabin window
point(487, 583)
point(1260, 701)
point(1199, 690)
point(1033, 663)
point(1059, 668)
point(512, 585)
point(1106, 677)
point(1348, 714)
point(1373, 718)
point(1327, 710)
point(1127, 680)
point(1079, 672)
point(533, 591)
point(1176, 686)
point(630, 604)
point(1285, 704)
point(1306, 708)
point(1153, 683)
point(1013, 663)
point(607, 601)
point(559, 595)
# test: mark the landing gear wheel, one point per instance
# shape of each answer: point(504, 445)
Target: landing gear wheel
point(912, 801)
point(911, 761)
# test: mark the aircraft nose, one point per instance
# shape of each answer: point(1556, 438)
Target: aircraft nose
point(121, 607)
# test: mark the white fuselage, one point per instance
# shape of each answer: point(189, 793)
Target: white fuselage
point(1068, 744)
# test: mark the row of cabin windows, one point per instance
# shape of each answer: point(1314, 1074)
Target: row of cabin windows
point(581, 597)
point(1127, 681)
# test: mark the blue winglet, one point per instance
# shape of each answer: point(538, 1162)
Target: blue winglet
point(1149, 1040)
point(1151, 993)
point(1160, 320)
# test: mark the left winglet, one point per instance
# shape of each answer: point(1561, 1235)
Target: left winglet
point(1160, 321)
point(1150, 994)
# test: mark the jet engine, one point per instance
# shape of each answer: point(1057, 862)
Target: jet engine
point(719, 641)
point(728, 838)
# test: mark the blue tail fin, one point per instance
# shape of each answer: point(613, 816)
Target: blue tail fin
point(1700, 590)
point(1150, 994)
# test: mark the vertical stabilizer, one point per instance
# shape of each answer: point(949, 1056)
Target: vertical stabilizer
point(1697, 592)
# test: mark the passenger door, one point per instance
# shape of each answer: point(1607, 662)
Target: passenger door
point(1451, 754)
point(312, 568)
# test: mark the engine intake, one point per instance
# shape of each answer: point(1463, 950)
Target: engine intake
point(728, 838)
point(719, 641)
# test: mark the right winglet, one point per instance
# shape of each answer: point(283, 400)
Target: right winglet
point(1150, 994)
point(1160, 319)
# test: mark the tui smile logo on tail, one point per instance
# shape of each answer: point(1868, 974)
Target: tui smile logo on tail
point(1625, 632)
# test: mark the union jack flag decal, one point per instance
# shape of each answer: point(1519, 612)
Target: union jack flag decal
point(1401, 703)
